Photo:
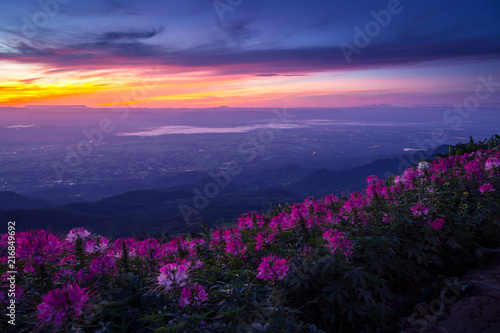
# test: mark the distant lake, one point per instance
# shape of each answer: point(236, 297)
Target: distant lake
point(205, 130)
point(20, 126)
point(164, 130)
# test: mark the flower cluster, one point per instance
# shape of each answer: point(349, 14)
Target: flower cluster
point(336, 240)
point(39, 247)
point(263, 238)
point(99, 245)
point(172, 275)
point(486, 188)
point(102, 266)
point(437, 223)
point(419, 209)
point(62, 304)
point(250, 221)
point(76, 233)
point(195, 295)
point(193, 273)
point(273, 268)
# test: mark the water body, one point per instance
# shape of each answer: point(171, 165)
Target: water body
point(205, 130)
point(164, 130)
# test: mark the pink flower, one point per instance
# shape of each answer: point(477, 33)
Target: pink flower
point(38, 246)
point(473, 168)
point(399, 180)
point(492, 163)
point(419, 209)
point(262, 239)
point(330, 199)
point(486, 188)
point(231, 234)
point(250, 221)
point(387, 218)
point(173, 275)
point(235, 248)
point(409, 174)
point(226, 236)
point(196, 294)
point(102, 265)
point(216, 238)
point(331, 218)
point(283, 221)
point(272, 267)
point(185, 297)
point(62, 304)
point(150, 248)
point(376, 188)
point(437, 224)
point(336, 240)
point(77, 233)
point(92, 246)
point(200, 295)
point(124, 243)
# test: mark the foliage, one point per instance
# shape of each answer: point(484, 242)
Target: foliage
point(330, 265)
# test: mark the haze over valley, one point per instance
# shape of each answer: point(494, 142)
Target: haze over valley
point(164, 156)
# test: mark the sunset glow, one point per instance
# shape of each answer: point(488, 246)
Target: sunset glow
point(166, 54)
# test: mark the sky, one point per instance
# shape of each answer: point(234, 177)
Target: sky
point(246, 53)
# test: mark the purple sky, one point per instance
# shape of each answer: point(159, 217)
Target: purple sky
point(199, 53)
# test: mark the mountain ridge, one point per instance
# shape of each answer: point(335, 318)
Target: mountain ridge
point(157, 209)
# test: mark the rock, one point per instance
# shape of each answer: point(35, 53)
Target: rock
point(453, 325)
point(478, 322)
point(473, 314)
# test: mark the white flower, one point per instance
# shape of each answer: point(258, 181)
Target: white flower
point(492, 163)
point(423, 166)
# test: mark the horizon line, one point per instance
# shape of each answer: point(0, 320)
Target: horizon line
point(381, 105)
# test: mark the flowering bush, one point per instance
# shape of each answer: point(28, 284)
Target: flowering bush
point(172, 275)
point(272, 268)
point(62, 305)
point(437, 224)
point(321, 265)
point(485, 188)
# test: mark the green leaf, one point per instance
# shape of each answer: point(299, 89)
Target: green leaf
point(258, 327)
point(286, 327)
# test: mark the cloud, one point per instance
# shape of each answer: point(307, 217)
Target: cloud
point(267, 75)
point(239, 31)
point(132, 35)
point(272, 74)
point(111, 48)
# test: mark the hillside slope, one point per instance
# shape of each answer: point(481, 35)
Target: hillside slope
point(356, 263)
point(151, 211)
point(12, 200)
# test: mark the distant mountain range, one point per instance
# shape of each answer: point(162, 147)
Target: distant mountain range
point(12, 200)
point(148, 212)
